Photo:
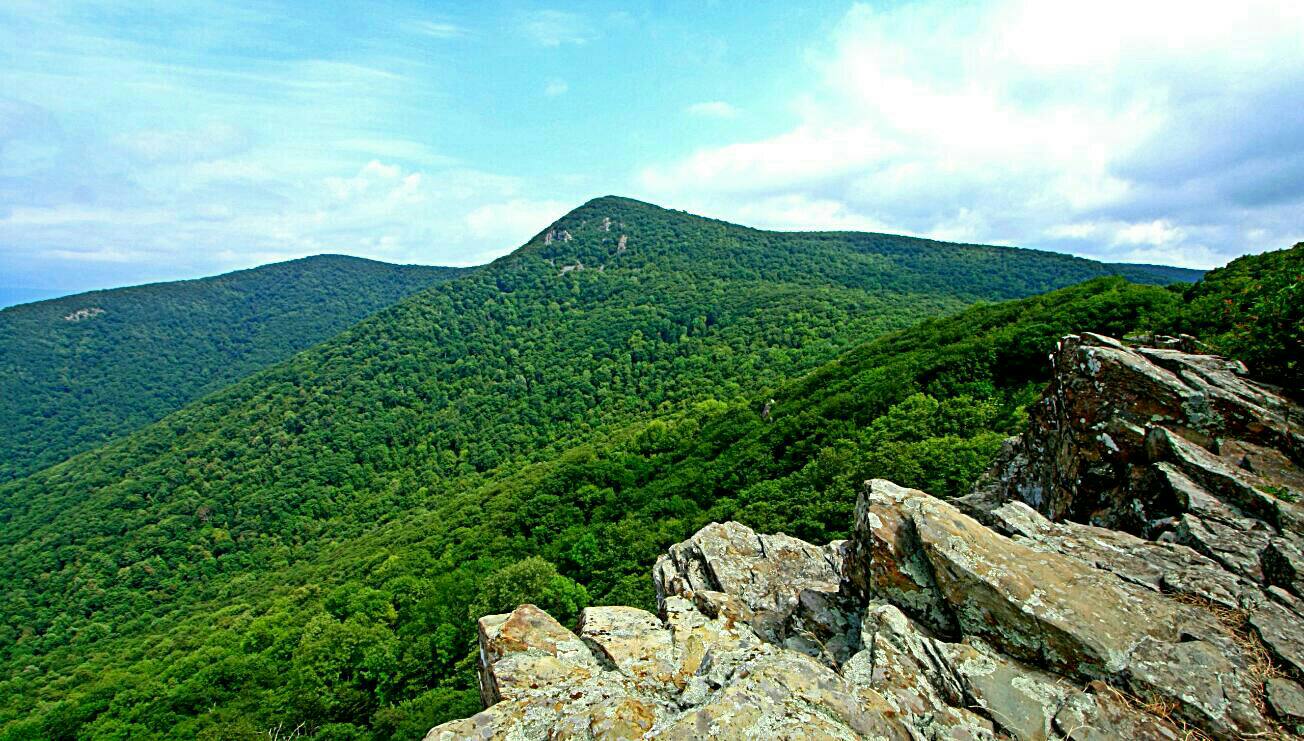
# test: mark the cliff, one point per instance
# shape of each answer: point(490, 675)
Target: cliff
point(1130, 568)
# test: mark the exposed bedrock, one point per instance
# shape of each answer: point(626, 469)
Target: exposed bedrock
point(1131, 567)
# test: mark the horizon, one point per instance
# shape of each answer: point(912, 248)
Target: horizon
point(10, 297)
point(170, 142)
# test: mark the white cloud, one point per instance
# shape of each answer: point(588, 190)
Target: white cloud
point(712, 109)
point(555, 88)
point(510, 223)
point(1098, 129)
point(102, 255)
point(1158, 233)
point(554, 28)
point(208, 142)
point(159, 148)
point(438, 29)
point(400, 149)
point(233, 217)
point(65, 215)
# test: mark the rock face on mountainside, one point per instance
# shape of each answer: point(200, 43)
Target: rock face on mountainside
point(1131, 567)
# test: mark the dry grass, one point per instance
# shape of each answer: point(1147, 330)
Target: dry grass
point(1259, 666)
point(1163, 710)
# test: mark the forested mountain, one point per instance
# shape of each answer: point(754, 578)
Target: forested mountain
point(80, 370)
point(302, 549)
point(1253, 309)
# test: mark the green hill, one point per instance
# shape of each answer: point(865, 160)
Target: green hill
point(192, 577)
point(78, 371)
point(1253, 309)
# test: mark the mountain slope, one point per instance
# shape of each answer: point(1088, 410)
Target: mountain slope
point(257, 653)
point(80, 370)
point(928, 406)
point(619, 311)
point(1253, 309)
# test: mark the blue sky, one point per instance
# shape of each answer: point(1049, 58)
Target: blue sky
point(145, 141)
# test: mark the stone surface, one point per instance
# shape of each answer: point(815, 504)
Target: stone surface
point(1103, 714)
point(1049, 634)
point(1281, 630)
point(729, 569)
point(1282, 561)
point(1286, 698)
point(1201, 465)
point(1066, 615)
point(1112, 412)
point(633, 641)
point(887, 562)
point(1159, 566)
point(1130, 567)
point(683, 676)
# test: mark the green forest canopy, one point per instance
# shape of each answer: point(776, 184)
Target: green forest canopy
point(311, 544)
point(78, 371)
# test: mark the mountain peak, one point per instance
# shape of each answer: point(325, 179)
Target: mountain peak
point(611, 206)
point(611, 231)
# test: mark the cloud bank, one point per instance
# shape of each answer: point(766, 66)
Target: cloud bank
point(1158, 132)
point(148, 145)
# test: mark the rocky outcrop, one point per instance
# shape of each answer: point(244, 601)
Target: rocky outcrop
point(83, 314)
point(1129, 569)
point(779, 586)
point(1154, 441)
point(1174, 471)
point(765, 635)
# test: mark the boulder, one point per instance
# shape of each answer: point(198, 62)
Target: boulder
point(529, 663)
point(1111, 412)
point(1102, 713)
point(684, 675)
point(1053, 630)
point(1129, 567)
point(729, 569)
point(1063, 614)
point(1165, 567)
point(785, 694)
point(1286, 698)
point(1282, 560)
point(886, 562)
point(520, 648)
point(1281, 630)
point(634, 642)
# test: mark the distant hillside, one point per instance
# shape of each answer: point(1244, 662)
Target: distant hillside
point(77, 371)
point(186, 580)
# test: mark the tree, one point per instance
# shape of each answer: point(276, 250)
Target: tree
point(535, 581)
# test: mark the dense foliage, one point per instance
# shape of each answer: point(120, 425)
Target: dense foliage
point(305, 549)
point(78, 371)
point(1253, 309)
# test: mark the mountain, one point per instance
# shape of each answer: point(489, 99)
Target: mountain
point(304, 546)
point(78, 371)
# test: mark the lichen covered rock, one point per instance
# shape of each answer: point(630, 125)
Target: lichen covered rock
point(1129, 568)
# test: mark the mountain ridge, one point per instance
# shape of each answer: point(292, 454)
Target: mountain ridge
point(76, 371)
point(317, 259)
point(871, 242)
